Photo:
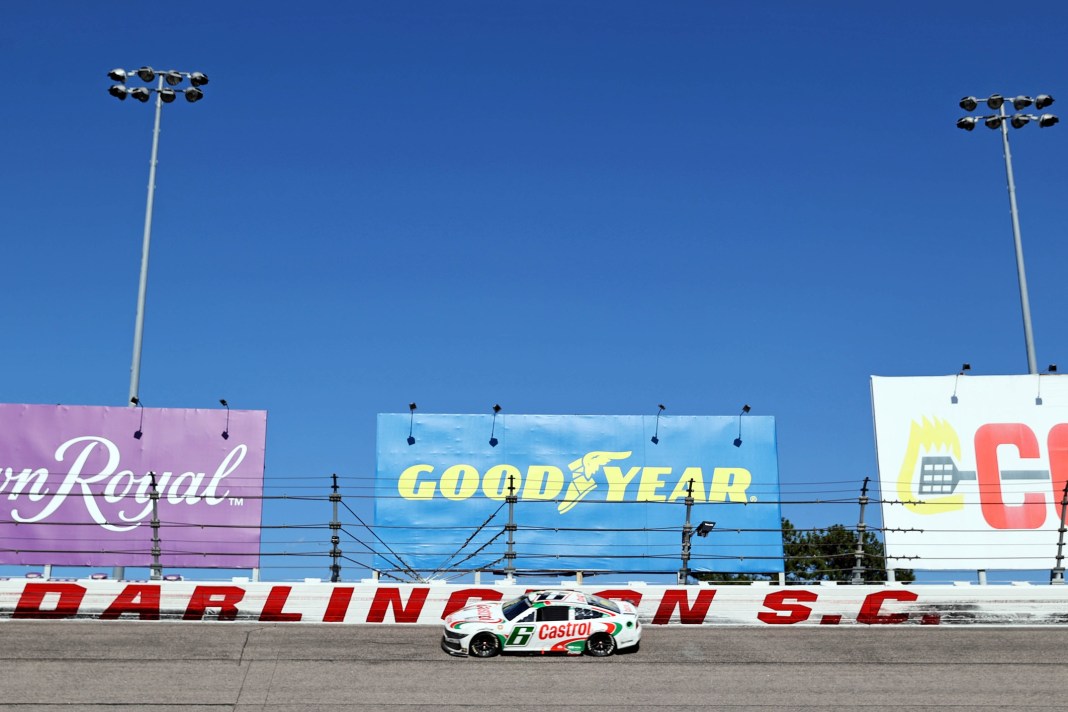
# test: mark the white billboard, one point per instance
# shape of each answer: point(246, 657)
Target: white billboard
point(972, 469)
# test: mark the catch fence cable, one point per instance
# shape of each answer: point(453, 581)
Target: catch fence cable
point(481, 526)
point(404, 565)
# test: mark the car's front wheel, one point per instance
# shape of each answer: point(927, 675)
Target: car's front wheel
point(485, 645)
point(600, 645)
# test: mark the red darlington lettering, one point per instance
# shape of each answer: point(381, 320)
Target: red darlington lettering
point(461, 598)
point(1031, 514)
point(390, 596)
point(276, 601)
point(338, 605)
point(225, 598)
point(142, 599)
point(793, 613)
point(680, 599)
point(33, 595)
point(869, 612)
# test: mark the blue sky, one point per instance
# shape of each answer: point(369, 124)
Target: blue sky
point(560, 207)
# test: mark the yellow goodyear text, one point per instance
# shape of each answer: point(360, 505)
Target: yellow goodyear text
point(547, 482)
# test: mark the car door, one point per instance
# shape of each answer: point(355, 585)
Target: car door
point(554, 627)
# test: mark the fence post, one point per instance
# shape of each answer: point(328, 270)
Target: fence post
point(687, 534)
point(335, 527)
point(858, 553)
point(1056, 577)
point(156, 573)
point(510, 527)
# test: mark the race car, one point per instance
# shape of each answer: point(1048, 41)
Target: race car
point(554, 620)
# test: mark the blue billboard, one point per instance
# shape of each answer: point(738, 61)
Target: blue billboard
point(594, 493)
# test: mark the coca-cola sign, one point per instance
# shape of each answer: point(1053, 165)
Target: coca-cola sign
point(76, 485)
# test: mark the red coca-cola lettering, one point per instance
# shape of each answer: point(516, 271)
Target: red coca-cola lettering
point(869, 611)
point(794, 613)
point(276, 601)
point(33, 595)
point(391, 596)
point(680, 599)
point(1032, 512)
point(338, 605)
point(225, 598)
point(142, 599)
point(460, 599)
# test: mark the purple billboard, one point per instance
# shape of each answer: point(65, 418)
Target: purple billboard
point(75, 485)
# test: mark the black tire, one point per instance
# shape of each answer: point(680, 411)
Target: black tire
point(484, 645)
point(600, 645)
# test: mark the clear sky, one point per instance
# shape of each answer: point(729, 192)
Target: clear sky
point(561, 207)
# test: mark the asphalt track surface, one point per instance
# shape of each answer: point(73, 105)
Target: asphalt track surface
point(86, 665)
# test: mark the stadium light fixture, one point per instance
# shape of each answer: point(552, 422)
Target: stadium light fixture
point(136, 403)
point(1002, 121)
point(1022, 102)
point(493, 441)
point(226, 430)
point(164, 95)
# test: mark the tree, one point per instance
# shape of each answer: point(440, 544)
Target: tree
point(822, 555)
point(830, 555)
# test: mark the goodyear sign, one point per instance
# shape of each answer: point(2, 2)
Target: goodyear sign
point(973, 469)
point(594, 493)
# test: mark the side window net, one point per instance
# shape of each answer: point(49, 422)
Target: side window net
point(553, 613)
point(587, 613)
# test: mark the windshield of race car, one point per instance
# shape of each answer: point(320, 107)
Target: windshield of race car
point(515, 607)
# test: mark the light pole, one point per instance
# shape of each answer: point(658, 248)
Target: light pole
point(1018, 120)
point(164, 95)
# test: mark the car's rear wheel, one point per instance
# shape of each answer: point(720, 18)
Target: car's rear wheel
point(485, 645)
point(600, 645)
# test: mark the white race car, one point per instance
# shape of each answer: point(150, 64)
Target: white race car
point(543, 621)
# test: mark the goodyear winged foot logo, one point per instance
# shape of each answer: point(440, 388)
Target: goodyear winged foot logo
point(582, 472)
